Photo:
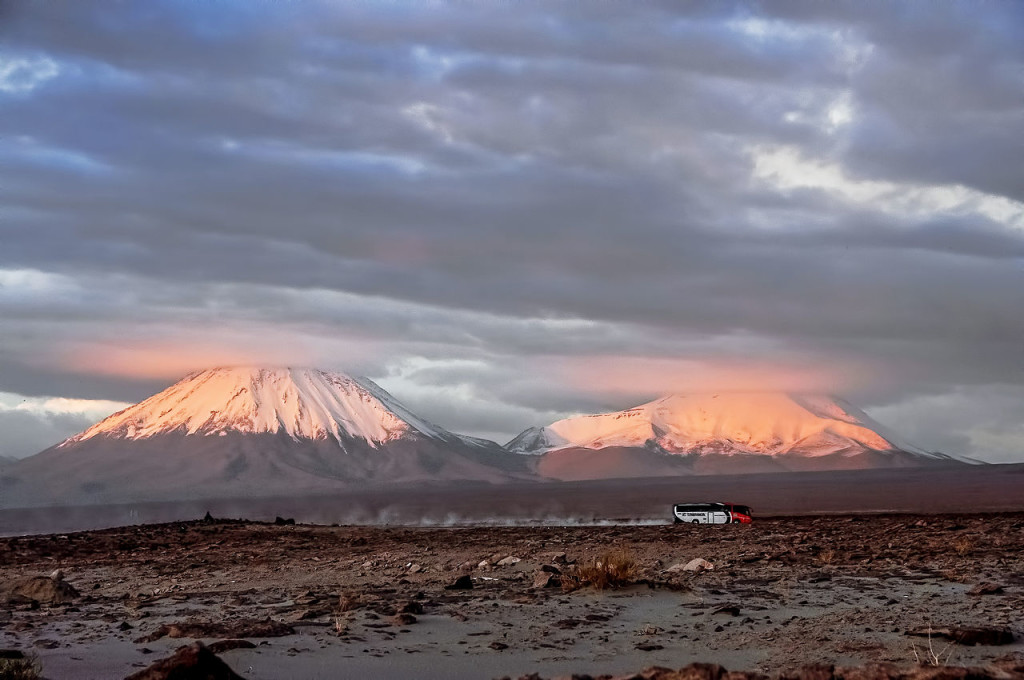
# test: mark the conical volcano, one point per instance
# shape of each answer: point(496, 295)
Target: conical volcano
point(254, 431)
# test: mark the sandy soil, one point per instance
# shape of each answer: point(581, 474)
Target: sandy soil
point(784, 592)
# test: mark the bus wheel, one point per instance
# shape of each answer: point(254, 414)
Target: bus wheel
point(735, 521)
point(696, 521)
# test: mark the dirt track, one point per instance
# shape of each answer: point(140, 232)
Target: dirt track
point(783, 593)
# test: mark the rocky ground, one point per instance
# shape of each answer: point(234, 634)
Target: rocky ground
point(308, 601)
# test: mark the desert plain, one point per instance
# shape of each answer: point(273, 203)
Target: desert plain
point(319, 601)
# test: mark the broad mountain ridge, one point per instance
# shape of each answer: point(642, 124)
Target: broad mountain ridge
point(718, 433)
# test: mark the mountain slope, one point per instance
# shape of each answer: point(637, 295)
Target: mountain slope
point(303, 403)
point(231, 432)
point(718, 433)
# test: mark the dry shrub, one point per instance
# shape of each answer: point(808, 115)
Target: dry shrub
point(963, 545)
point(931, 657)
point(827, 556)
point(350, 601)
point(27, 668)
point(614, 569)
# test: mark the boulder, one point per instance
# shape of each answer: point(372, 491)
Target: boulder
point(696, 565)
point(986, 589)
point(229, 629)
point(221, 646)
point(193, 661)
point(42, 589)
point(464, 582)
point(546, 579)
point(509, 561)
point(967, 636)
point(403, 619)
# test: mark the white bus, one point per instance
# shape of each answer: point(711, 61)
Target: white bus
point(711, 513)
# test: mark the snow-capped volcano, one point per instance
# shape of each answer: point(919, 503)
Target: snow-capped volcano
point(232, 432)
point(303, 403)
point(694, 433)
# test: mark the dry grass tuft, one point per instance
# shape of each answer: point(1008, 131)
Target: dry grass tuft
point(614, 569)
point(827, 556)
point(348, 602)
point(27, 668)
point(963, 546)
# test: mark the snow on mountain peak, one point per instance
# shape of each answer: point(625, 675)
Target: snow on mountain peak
point(301, 402)
point(757, 423)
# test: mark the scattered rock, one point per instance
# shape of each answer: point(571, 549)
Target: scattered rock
point(874, 671)
point(464, 582)
point(42, 589)
point(697, 565)
point(967, 636)
point(730, 609)
point(559, 558)
point(221, 646)
point(193, 661)
point(403, 619)
point(411, 608)
point(229, 629)
point(509, 561)
point(308, 614)
point(545, 579)
point(986, 589)
point(649, 646)
point(414, 569)
point(551, 569)
point(498, 646)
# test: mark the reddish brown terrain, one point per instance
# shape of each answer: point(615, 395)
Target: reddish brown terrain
point(327, 602)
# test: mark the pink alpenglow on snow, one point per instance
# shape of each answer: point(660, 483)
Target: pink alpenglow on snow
point(718, 433)
point(303, 403)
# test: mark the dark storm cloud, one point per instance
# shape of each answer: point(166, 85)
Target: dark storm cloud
point(489, 188)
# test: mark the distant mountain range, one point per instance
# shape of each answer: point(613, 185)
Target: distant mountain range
point(255, 431)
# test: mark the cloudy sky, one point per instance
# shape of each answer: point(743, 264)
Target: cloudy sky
point(509, 212)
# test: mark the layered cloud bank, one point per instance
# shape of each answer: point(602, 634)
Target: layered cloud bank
point(509, 215)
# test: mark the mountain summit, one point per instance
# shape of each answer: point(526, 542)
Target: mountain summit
point(253, 431)
point(714, 433)
point(303, 403)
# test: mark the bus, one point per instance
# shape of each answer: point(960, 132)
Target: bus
point(711, 513)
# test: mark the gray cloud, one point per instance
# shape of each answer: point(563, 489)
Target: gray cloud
point(823, 185)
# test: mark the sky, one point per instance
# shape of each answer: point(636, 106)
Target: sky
point(506, 213)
